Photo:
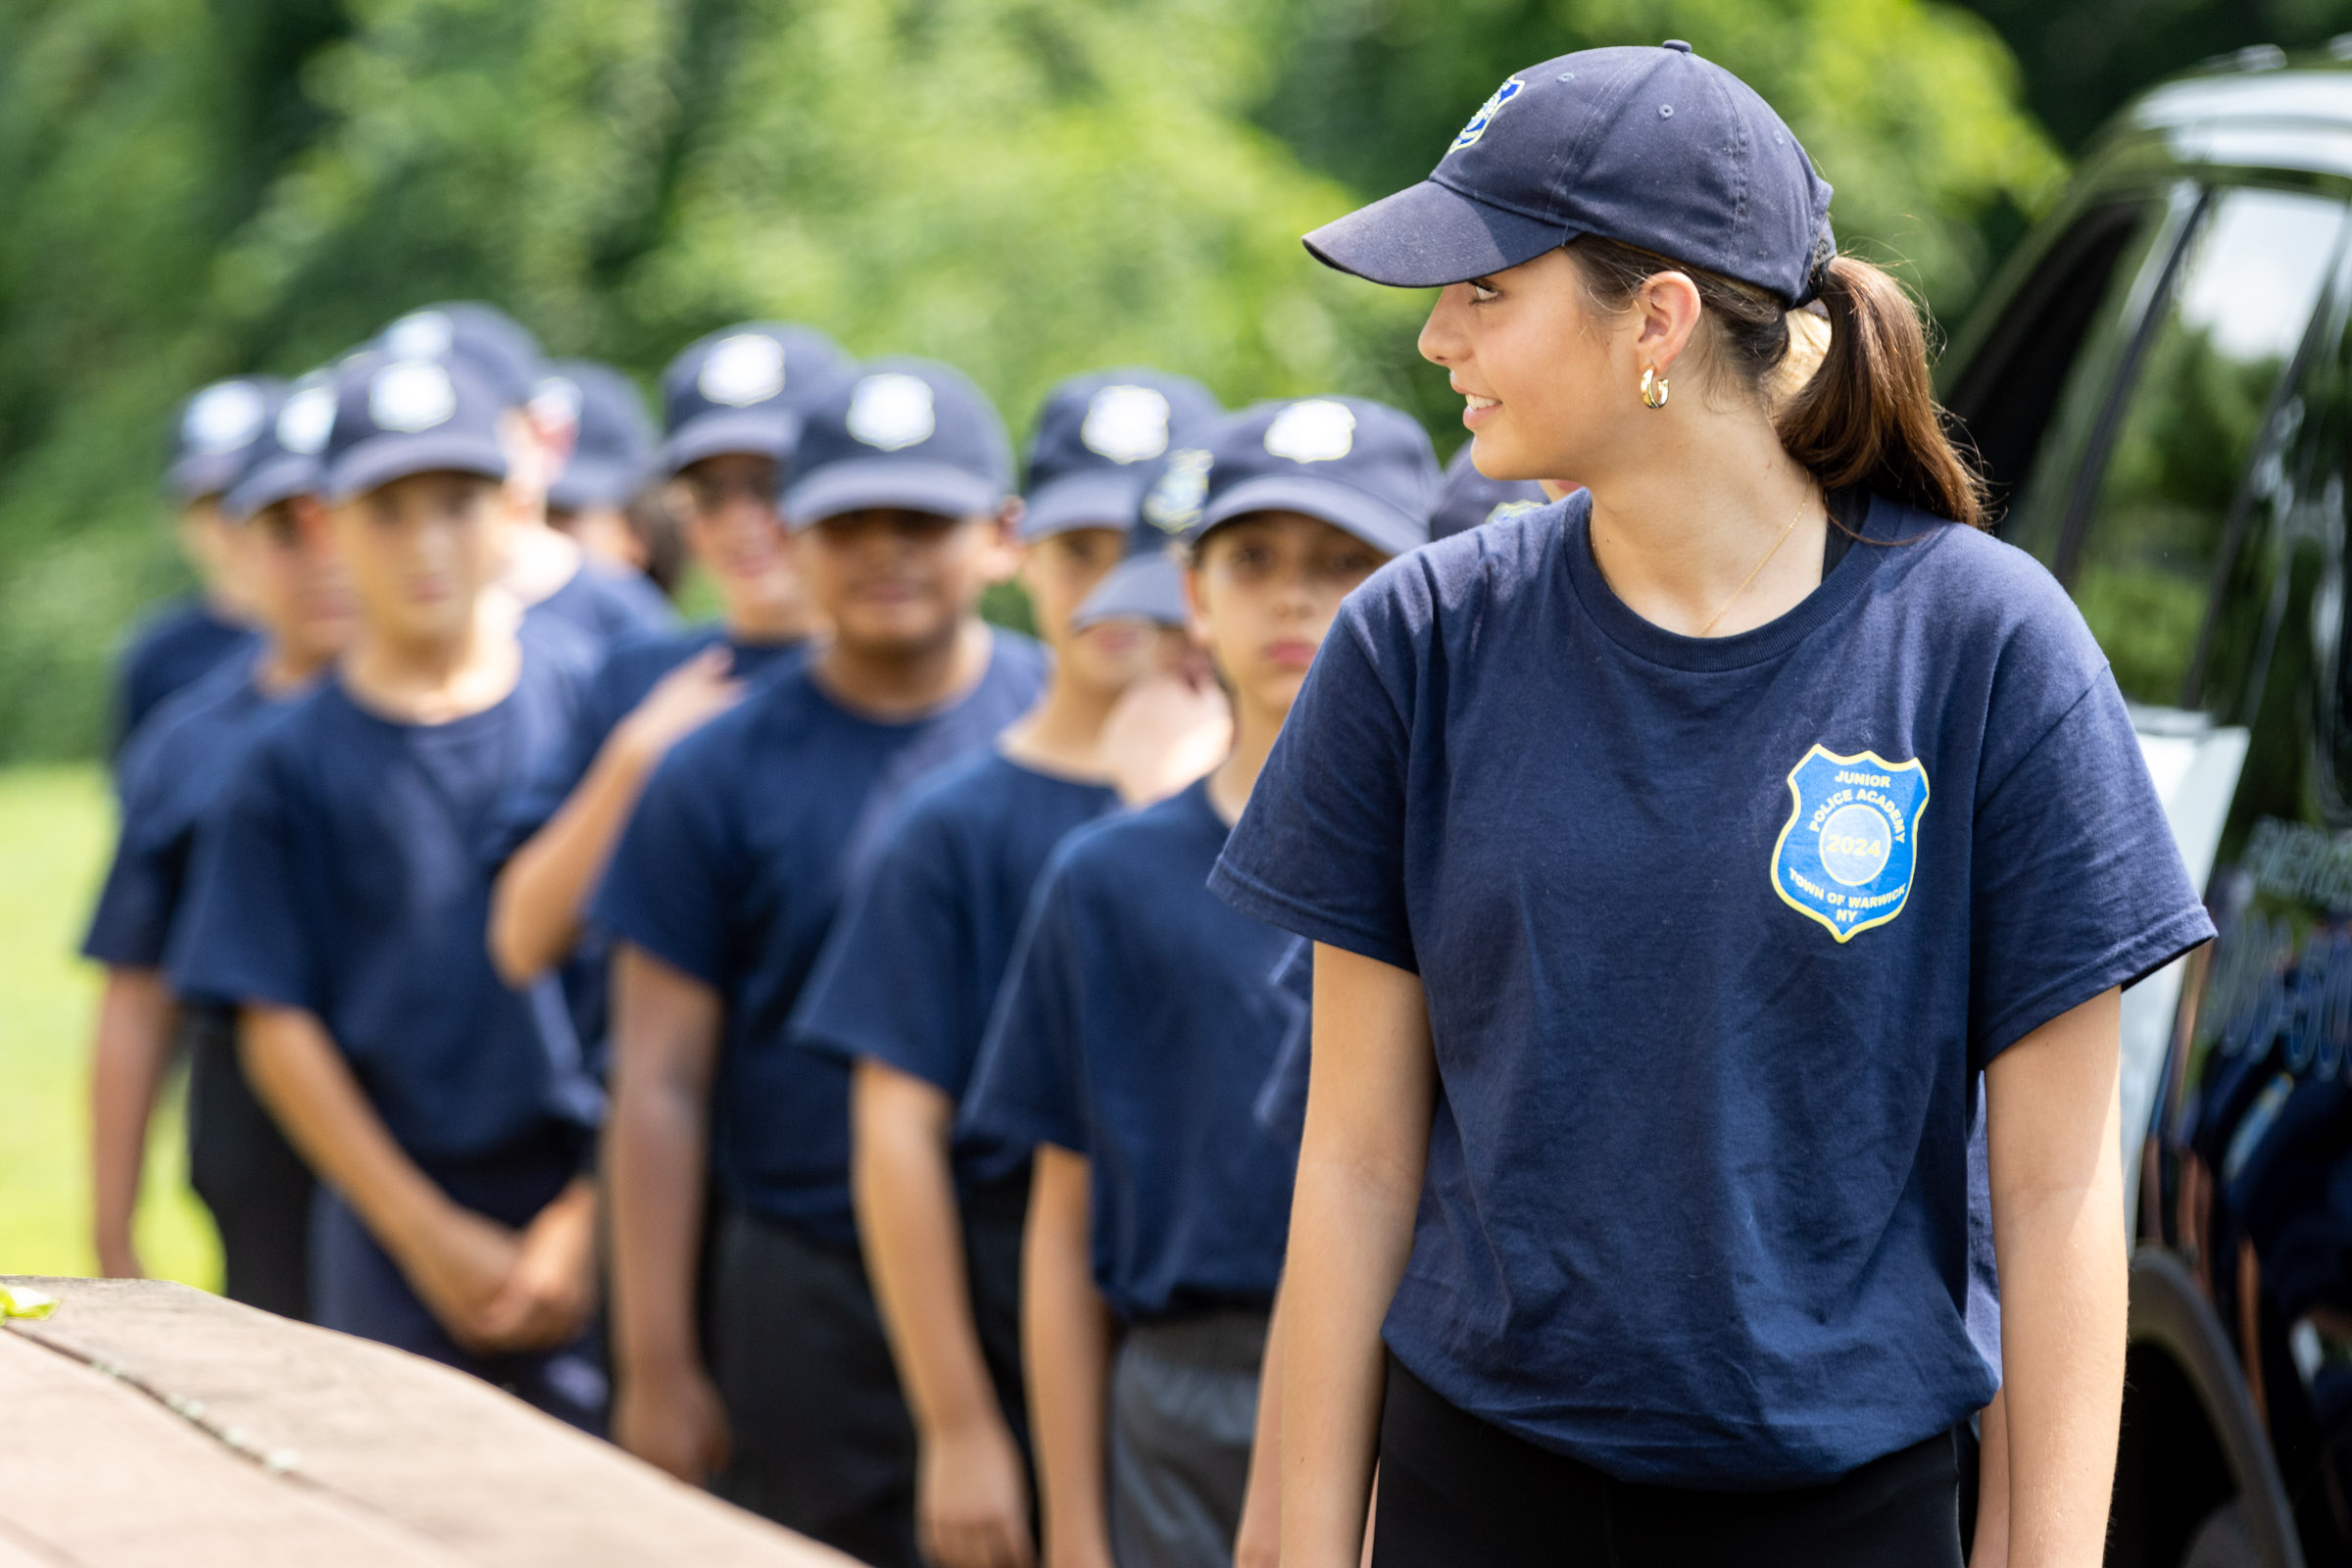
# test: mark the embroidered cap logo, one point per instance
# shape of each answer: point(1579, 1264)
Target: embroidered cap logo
point(411, 396)
point(303, 422)
point(1126, 423)
point(224, 417)
point(1173, 503)
point(1486, 114)
point(1316, 431)
point(743, 370)
point(892, 411)
point(420, 335)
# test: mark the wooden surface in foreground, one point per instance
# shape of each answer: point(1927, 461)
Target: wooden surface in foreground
point(147, 1422)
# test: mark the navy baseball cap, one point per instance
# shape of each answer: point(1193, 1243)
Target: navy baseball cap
point(216, 429)
point(903, 433)
point(745, 388)
point(286, 460)
point(1360, 466)
point(1654, 148)
point(1149, 583)
point(613, 437)
point(498, 349)
point(1099, 439)
point(1469, 497)
point(395, 417)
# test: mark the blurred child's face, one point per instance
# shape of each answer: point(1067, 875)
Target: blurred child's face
point(604, 533)
point(726, 508)
point(295, 582)
point(895, 582)
point(419, 551)
point(1264, 589)
point(1058, 571)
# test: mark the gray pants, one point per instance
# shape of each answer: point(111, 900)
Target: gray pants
point(1183, 1409)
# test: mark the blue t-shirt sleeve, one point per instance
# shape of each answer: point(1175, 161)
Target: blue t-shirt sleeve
point(669, 889)
point(2077, 881)
point(245, 935)
point(132, 920)
point(893, 981)
point(1027, 1086)
point(1320, 848)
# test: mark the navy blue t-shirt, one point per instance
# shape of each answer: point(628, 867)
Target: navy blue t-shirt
point(1711, 979)
point(749, 836)
point(1137, 1023)
point(910, 973)
point(608, 603)
point(169, 651)
point(346, 874)
point(169, 780)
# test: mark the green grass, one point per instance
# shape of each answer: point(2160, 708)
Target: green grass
point(56, 830)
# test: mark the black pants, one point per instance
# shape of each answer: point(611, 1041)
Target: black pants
point(242, 1167)
point(993, 1220)
point(823, 1443)
point(1456, 1490)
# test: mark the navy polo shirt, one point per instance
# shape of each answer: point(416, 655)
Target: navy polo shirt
point(747, 838)
point(346, 874)
point(910, 973)
point(1717, 937)
point(1138, 1022)
point(169, 651)
point(607, 603)
point(169, 778)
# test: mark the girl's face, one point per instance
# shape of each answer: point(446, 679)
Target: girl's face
point(419, 551)
point(295, 582)
point(726, 508)
point(1058, 571)
point(1552, 385)
point(1263, 591)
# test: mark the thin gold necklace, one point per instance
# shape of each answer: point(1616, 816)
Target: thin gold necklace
point(1760, 566)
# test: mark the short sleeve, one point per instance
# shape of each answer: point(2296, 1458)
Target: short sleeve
point(895, 981)
point(1028, 1085)
point(671, 884)
point(1320, 848)
point(2076, 885)
point(132, 920)
point(245, 936)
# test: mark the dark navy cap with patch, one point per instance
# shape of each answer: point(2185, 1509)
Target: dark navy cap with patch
point(745, 389)
point(612, 434)
point(501, 351)
point(1656, 148)
point(910, 434)
point(1149, 583)
point(216, 429)
point(1469, 497)
point(1358, 465)
point(396, 417)
point(1100, 437)
point(288, 459)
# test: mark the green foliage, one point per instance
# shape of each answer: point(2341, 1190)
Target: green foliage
point(1024, 187)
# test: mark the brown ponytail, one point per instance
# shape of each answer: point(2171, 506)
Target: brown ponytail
point(1867, 417)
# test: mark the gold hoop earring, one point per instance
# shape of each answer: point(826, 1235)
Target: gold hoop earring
point(1653, 389)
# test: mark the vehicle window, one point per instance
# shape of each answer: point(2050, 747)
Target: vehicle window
point(2179, 473)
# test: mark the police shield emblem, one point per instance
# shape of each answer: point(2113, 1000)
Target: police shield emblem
point(1846, 854)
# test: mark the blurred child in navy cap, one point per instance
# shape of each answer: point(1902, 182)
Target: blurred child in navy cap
point(552, 577)
point(610, 460)
point(733, 403)
point(724, 888)
point(177, 644)
point(1468, 498)
point(903, 988)
point(274, 544)
point(341, 903)
point(1141, 1016)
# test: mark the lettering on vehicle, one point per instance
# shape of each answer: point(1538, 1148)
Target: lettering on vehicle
point(1846, 854)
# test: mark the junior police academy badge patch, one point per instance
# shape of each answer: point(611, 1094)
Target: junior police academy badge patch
point(1846, 854)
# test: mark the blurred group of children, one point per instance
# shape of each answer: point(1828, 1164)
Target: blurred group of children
point(801, 1044)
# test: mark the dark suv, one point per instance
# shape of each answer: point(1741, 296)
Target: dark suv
point(2161, 387)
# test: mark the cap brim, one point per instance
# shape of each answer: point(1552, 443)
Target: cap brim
point(205, 473)
point(588, 482)
point(1091, 498)
point(865, 483)
point(1139, 588)
point(383, 458)
point(1343, 507)
point(768, 432)
point(281, 479)
point(1429, 235)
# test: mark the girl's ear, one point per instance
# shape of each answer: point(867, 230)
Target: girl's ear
point(1666, 310)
